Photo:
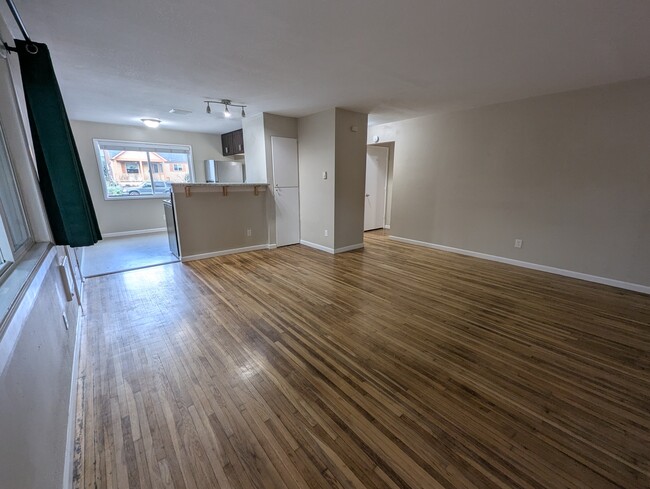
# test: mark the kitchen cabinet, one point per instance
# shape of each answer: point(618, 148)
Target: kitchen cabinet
point(232, 143)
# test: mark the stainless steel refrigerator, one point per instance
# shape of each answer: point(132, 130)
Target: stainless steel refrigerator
point(225, 171)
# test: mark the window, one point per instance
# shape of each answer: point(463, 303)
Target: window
point(132, 167)
point(132, 170)
point(15, 235)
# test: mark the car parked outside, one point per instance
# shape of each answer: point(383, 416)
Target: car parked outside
point(146, 189)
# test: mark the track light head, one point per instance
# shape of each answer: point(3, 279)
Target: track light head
point(227, 103)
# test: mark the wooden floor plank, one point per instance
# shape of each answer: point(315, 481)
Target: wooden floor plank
point(388, 367)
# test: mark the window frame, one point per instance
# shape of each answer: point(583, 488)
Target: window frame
point(7, 264)
point(139, 146)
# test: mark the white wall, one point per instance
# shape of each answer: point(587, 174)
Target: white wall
point(133, 215)
point(316, 144)
point(327, 143)
point(36, 350)
point(567, 173)
point(350, 177)
point(255, 148)
point(36, 370)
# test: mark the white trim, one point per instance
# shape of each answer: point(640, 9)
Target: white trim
point(317, 246)
point(68, 471)
point(331, 250)
point(644, 289)
point(349, 248)
point(225, 252)
point(134, 233)
point(138, 146)
point(386, 226)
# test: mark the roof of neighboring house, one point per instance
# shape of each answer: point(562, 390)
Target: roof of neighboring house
point(138, 156)
point(176, 157)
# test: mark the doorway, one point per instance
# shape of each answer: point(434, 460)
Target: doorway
point(284, 156)
point(376, 187)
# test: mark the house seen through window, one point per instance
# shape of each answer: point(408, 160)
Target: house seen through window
point(132, 170)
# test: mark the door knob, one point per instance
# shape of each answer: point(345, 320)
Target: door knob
point(367, 195)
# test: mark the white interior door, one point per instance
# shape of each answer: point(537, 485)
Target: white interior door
point(287, 215)
point(284, 154)
point(376, 181)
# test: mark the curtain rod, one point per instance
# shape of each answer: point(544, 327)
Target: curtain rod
point(19, 20)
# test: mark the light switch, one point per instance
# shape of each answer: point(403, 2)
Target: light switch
point(324, 175)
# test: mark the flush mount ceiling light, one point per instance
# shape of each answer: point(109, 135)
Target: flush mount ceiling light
point(153, 123)
point(226, 107)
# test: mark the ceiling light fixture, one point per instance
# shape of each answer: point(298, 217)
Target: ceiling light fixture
point(227, 103)
point(153, 123)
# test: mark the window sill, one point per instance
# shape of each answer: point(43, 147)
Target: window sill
point(137, 197)
point(15, 283)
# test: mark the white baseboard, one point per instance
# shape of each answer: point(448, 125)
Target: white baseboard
point(348, 248)
point(80, 254)
point(134, 233)
point(331, 250)
point(533, 266)
point(68, 468)
point(232, 251)
point(387, 226)
point(317, 246)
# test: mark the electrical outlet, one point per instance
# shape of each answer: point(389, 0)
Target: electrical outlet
point(519, 243)
point(326, 233)
point(248, 232)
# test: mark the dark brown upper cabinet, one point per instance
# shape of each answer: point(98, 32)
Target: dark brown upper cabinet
point(232, 143)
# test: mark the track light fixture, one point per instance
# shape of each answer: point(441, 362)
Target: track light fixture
point(226, 107)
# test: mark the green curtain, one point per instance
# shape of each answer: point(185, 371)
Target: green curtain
point(65, 192)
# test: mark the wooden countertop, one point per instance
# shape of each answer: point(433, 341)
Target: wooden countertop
point(189, 188)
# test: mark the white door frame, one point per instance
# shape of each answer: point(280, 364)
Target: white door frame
point(385, 190)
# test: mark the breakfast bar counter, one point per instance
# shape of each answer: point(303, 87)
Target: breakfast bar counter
point(213, 219)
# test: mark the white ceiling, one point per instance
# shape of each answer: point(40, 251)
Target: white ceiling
point(120, 60)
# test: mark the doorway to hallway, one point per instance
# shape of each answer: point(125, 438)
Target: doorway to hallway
point(376, 188)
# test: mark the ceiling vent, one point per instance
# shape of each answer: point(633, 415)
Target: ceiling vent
point(180, 111)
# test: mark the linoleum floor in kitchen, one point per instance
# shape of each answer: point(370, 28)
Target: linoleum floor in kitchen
point(120, 254)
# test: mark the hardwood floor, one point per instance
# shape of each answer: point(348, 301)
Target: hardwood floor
point(390, 367)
